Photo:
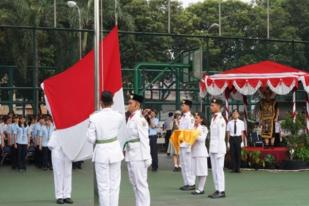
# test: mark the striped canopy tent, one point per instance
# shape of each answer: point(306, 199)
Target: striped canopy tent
point(249, 79)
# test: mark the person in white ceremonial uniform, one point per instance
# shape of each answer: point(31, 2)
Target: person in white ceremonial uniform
point(104, 131)
point(235, 138)
point(186, 122)
point(200, 154)
point(62, 169)
point(137, 151)
point(217, 148)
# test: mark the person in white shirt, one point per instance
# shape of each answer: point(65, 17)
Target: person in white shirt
point(236, 138)
point(137, 151)
point(217, 148)
point(62, 170)
point(154, 125)
point(186, 122)
point(200, 154)
point(278, 138)
point(104, 130)
point(168, 128)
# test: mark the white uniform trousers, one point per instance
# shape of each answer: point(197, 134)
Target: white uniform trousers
point(186, 166)
point(217, 167)
point(108, 181)
point(138, 178)
point(62, 169)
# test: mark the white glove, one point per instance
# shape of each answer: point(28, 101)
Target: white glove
point(148, 162)
point(242, 145)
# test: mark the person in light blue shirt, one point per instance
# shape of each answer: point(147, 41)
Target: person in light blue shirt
point(44, 135)
point(22, 141)
point(12, 131)
point(36, 137)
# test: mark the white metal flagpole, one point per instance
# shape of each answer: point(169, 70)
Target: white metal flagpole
point(96, 74)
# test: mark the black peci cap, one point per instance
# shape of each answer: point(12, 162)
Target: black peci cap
point(107, 97)
point(187, 102)
point(217, 101)
point(137, 98)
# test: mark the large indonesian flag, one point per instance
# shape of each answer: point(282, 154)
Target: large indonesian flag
point(70, 97)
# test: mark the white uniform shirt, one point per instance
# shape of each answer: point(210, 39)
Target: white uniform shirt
point(199, 147)
point(240, 127)
point(217, 134)
point(104, 125)
point(186, 122)
point(277, 127)
point(137, 127)
point(168, 124)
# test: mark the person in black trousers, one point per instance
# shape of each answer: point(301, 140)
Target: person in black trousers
point(236, 135)
point(168, 127)
point(12, 131)
point(153, 137)
point(22, 140)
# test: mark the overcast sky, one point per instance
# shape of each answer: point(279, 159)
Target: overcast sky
point(187, 2)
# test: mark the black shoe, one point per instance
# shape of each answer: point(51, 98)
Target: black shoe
point(191, 187)
point(60, 201)
point(175, 169)
point(184, 188)
point(68, 201)
point(214, 194)
point(219, 195)
point(154, 169)
point(198, 192)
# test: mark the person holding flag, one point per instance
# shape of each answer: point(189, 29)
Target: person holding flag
point(62, 169)
point(137, 151)
point(104, 130)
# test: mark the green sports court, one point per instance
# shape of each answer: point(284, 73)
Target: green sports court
point(254, 188)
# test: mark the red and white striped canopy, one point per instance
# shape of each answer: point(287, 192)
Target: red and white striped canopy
point(281, 79)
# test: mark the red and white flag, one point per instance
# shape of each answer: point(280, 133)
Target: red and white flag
point(70, 97)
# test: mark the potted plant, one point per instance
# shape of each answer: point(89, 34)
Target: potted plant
point(297, 142)
point(244, 159)
point(255, 161)
point(270, 161)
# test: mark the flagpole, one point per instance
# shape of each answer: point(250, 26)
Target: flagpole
point(96, 76)
point(116, 12)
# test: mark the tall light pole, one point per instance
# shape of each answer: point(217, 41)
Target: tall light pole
point(73, 4)
point(220, 25)
point(268, 21)
point(169, 16)
point(55, 13)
